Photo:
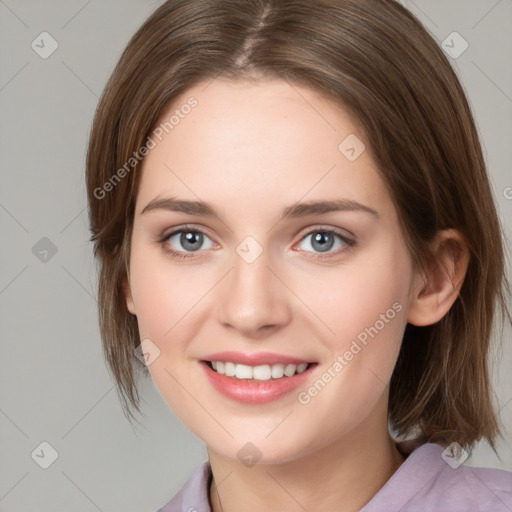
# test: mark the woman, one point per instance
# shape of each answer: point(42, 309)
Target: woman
point(298, 238)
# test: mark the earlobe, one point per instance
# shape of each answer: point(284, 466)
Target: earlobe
point(436, 292)
point(128, 295)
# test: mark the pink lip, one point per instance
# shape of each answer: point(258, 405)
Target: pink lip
point(258, 358)
point(252, 391)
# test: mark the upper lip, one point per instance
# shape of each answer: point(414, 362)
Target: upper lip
point(254, 359)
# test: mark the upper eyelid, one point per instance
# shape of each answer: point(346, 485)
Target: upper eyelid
point(305, 231)
point(322, 228)
point(186, 227)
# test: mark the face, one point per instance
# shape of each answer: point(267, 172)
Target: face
point(263, 247)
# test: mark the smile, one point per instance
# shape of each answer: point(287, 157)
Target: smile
point(263, 372)
point(257, 378)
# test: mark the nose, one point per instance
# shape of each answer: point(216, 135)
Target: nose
point(252, 299)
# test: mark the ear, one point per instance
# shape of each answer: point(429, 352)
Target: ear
point(128, 295)
point(435, 293)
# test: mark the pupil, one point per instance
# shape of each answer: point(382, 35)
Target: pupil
point(191, 240)
point(325, 241)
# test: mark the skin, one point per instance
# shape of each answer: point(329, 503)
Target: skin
point(252, 149)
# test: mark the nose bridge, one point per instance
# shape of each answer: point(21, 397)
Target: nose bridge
point(251, 296)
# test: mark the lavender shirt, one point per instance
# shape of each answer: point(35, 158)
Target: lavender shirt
point(425, 482)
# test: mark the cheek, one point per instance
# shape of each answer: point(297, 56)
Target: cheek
point(167, 299)
point(164, 293)
point(365, 306)
point(363, 300)
point(375, 315)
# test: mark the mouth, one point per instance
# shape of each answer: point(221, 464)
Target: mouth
point(261, 373)
point(256, 383)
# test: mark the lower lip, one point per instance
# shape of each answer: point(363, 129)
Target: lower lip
point(255, 392)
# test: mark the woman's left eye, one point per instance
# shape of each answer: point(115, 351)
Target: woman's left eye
point(327, 241)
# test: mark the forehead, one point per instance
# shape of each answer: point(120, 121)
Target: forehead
point(265, 141)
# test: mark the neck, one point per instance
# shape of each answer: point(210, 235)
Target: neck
point(343, 476)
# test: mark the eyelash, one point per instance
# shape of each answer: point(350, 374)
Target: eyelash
point(185, 256)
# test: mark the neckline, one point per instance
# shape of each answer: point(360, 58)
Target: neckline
point(421, 464)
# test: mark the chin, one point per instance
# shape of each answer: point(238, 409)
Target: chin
point(257, 449)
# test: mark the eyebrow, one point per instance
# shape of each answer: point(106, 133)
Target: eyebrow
point(294, 211)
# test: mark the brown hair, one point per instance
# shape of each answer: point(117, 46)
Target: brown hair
point(375, 59)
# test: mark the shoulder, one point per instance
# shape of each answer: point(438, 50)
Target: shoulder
point(483, 489)
point(430, 479)
point(452, 486)
point(193, 496)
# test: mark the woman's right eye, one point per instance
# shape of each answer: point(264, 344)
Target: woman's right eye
point(183, 242)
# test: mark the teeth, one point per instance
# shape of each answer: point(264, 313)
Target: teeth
point(242, 371)
point(277, 371)
point(262, 372)
point(302, 367)
point(290, 370)
point(229, 369)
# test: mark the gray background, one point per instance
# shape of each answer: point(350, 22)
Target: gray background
point(54, 385)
